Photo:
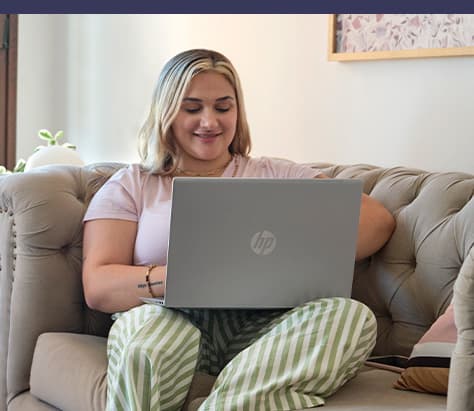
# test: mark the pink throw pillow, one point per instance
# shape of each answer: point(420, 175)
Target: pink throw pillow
point(428, 365)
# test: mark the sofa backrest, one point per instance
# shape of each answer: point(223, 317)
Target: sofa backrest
point(408, 284)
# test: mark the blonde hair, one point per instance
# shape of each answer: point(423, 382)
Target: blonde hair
point(157, 146)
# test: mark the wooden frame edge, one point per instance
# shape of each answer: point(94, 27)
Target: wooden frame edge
point(12, 85)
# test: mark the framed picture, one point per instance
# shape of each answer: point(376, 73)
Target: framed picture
point(394, 36)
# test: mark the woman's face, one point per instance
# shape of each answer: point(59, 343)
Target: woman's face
point(206, 122)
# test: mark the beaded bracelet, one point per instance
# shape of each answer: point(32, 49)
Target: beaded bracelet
point(147, 278)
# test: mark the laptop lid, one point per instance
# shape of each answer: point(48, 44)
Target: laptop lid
point(260, 243)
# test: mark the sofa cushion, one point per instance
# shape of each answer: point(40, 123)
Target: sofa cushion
point(372, 389)
point(26, 402)
point(69, 371)
point(428, 365)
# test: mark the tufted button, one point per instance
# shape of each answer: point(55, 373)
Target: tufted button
point(65, 249)
point(81, 196)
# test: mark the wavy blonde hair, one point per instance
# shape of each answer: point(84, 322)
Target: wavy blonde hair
point(157, 146)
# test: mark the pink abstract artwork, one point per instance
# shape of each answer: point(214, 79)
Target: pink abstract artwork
point(392, 32)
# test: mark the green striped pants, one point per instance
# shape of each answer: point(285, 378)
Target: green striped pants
point(265, 360)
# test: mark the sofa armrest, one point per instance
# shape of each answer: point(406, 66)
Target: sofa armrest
point(40, 266)
point(6, 284)
point(461, 377)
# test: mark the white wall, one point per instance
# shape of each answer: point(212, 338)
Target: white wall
point(41, 78)
point(93, 75)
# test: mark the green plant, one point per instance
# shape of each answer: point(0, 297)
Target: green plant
point(51, 140)
point(19, 167)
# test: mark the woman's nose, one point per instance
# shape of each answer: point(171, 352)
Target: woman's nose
point(208, 119)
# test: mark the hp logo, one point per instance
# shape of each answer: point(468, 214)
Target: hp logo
point(263, 242)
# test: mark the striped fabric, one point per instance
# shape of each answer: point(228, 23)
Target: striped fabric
point(265, 360)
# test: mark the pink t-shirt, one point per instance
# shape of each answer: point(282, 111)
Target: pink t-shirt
point(136, 195)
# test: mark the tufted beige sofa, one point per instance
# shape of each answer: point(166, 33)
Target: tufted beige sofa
point(52, 347)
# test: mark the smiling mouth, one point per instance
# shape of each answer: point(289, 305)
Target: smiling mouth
point(207, 136)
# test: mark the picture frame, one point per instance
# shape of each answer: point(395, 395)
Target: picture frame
point(365, 31)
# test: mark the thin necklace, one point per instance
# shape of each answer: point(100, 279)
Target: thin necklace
point(236, 166)
point(216, 172)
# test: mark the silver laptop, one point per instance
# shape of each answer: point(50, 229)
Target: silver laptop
point(260, 243)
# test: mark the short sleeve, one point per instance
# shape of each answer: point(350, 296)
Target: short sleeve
point(281, 168)
point(117, 198)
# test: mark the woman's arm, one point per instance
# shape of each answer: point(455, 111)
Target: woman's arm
point(111, 282)
point(376, 225)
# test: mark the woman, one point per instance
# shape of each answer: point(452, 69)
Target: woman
point(263, 359)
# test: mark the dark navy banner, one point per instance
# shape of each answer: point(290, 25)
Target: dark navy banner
point(235, 6)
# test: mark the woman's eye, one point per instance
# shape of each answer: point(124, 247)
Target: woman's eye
point(192, 109)
point(222, 109)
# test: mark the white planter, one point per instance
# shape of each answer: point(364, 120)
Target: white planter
point(53, 155)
